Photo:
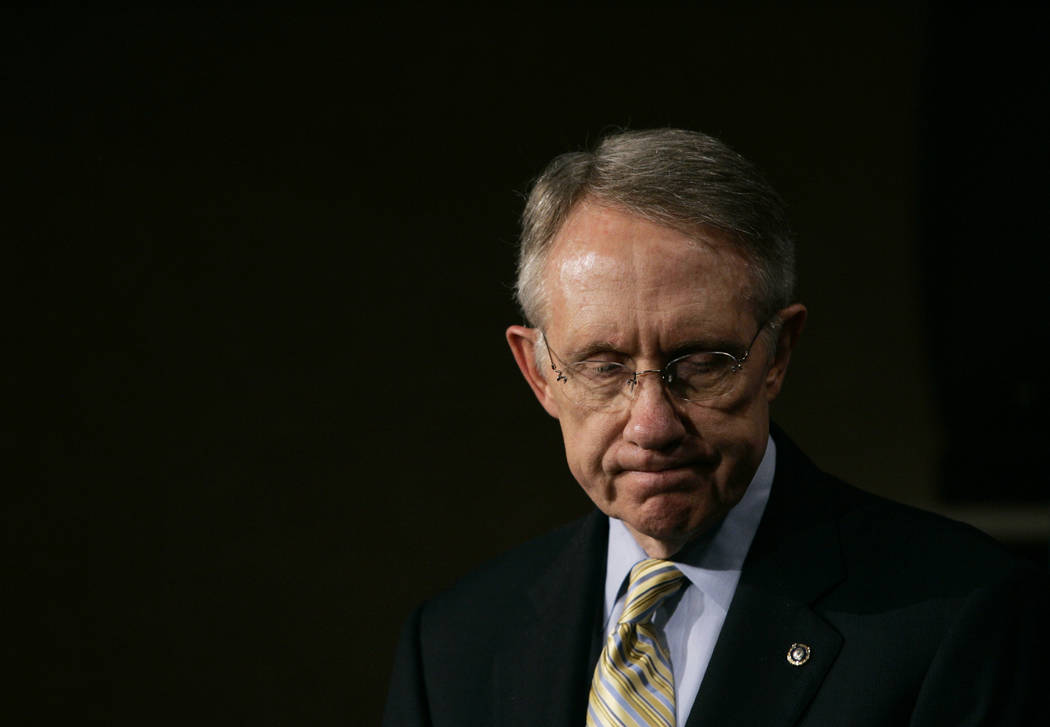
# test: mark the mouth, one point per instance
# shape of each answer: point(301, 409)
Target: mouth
point(658, 473)
point(652, 480)
point(661, 466)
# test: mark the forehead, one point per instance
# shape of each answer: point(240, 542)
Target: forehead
point(614, 276)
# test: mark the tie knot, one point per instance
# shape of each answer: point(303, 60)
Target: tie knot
point(651, 582)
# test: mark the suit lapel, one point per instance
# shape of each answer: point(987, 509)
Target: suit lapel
point(795, 558)
point(544, 674)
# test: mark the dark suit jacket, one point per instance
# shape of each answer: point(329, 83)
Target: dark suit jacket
point(910, 619)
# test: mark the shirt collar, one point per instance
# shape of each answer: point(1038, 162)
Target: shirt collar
point(712, 562)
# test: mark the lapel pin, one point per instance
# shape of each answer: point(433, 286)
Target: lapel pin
point(798, 654)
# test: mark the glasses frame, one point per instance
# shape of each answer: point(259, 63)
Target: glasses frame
point(665, 372)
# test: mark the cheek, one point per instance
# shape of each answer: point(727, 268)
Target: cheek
point(587, 441)
point(734, 432)
point(742, 440)
point(747, 408)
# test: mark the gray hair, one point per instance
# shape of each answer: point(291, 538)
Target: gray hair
point(681, 179)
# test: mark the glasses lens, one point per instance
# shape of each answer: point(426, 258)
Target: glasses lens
point(702, 376)
point(697, 377)
point(596, 383)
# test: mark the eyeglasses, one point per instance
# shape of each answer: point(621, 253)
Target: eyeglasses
point(697, 377)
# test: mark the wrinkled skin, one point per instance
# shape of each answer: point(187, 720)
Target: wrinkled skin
point(625, 289)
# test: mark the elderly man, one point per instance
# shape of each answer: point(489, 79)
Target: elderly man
point(723, 578)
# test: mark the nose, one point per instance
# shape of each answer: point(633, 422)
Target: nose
point(654, 421)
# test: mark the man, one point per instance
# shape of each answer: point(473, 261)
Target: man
point(723, 579)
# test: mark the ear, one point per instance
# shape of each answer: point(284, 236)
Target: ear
point(792, 321)
point(522, 342)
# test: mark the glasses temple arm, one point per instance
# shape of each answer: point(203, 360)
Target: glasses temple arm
point(550, 356)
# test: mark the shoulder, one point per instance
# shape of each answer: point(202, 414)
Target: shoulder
point(926, 609)
point(504, 586)
point(893, 553)
point(909, 542)
point(488, 629)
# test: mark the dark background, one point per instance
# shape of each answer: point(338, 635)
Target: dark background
point(259, 267)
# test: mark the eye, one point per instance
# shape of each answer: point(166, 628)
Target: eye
point(702, 365)
point(600, 370)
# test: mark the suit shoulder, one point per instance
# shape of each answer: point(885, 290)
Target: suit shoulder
point(905, 538)
point(896, 554)
point(884, 536)
point(504, 581)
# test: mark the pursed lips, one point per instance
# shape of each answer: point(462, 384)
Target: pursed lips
point(663, 474)
point(660, 467)
point(662, 463)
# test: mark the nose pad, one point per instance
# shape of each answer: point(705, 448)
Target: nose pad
point(633, 381)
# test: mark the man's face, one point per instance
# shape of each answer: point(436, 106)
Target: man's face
point(623, 289)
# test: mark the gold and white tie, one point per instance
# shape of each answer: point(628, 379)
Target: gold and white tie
point(633, 683)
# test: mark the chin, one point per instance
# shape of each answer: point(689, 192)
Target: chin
point(672, 524)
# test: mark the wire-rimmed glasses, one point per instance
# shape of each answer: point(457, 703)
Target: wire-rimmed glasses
point(700, 376)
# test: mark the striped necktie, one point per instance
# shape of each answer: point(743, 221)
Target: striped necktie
point(633, 685)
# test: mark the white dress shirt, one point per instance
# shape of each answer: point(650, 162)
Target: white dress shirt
point(692, 620)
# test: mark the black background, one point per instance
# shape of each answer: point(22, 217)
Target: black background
point(259, 267)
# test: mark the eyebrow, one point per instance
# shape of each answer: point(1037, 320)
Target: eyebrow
point(590, 349)
point(679, 349)
point(706, 344)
